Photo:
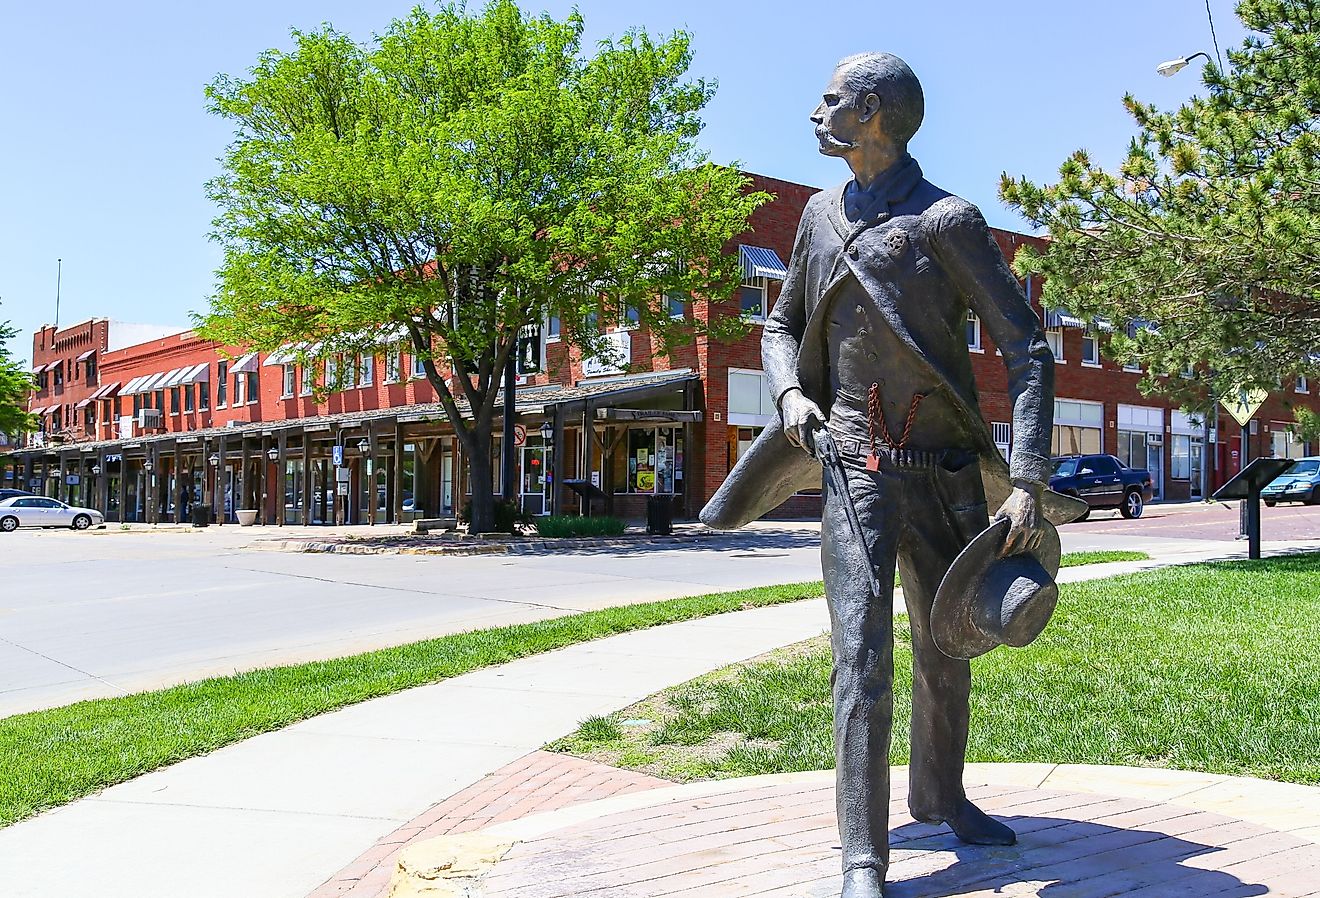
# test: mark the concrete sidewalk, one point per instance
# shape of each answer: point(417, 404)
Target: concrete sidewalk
point(280, 813)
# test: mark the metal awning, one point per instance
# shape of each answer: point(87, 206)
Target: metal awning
point(760, 262)
point(172, 378)
point(41, 368)
point(245, 365)
point(132, 386)
point(197, 374)
point(282, 356)
point(86, 355)
point(83, 403)
point(1062, 318)
point(106, 391)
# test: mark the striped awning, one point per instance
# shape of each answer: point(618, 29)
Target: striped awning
point(1062, 318)
point(106, 391)
point(245, 365)
point(83, 403)
point(45, 367)
point(284, 355)
point(760, 262)
point(197, 374)
point(86, 355)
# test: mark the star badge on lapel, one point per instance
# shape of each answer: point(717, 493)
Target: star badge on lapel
point(896, 243)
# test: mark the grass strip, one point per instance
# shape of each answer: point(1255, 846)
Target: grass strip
point(52, 757)
point(1208, 667)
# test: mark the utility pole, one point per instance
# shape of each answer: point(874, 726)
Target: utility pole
point(509, 482)
point(59, 271)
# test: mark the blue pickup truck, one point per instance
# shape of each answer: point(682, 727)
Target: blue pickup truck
point(1102, 481)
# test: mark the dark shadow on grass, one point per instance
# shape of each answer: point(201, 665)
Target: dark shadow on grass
point(1071, 859)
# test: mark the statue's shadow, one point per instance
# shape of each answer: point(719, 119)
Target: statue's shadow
point(1061, 858)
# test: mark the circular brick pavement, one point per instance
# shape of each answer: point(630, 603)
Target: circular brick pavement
point(776, 836)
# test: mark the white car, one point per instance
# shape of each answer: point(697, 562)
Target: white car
point(38, 511)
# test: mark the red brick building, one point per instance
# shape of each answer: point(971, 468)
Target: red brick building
point(143, 430)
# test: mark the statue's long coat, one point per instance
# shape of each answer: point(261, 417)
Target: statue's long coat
point(926, 257)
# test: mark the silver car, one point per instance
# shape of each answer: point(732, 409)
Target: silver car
point(38, 511)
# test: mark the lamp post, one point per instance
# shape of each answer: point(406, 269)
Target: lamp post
point(1174, 66)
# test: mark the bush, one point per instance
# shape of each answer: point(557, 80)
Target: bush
point(508, 515)
point(574, 525)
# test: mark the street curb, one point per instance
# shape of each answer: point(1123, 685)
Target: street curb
point(530, 546)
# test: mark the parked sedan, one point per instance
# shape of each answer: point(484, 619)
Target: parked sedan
point(1300, 483)
point(38, 511)
point(11, 493)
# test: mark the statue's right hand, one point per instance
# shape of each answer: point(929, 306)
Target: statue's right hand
point(801, 417)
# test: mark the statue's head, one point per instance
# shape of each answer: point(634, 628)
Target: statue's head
point(872, 97)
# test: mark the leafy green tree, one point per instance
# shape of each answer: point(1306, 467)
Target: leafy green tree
point(15, 388)
point(1306, 424)
point(459, 179)
point(1206, 235)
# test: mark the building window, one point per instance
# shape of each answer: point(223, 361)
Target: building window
point(752, 299)
point(1054, 337)
point(653, 462)
point(89, 417)
point(552, 327)
point(188, 397)
point(204, 395)
point(58, 377)
point(393, 365)
point(973, 332)
point(1301, 384)
point(1077, 427)
point(253, 386)
point(137, 403)
point(631, 317)
point(350, 372)
point(332, 373)
point(676, 302)
point(418, 366)
point(240, 388)
point(41, 382)
point(221, 384)
point(366, 370)
point(91, 370)
point(308, 380)
point(290, 380)
point(1090, 348)
point(160, 401)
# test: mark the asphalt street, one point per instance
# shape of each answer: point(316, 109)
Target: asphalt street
point(103, 613)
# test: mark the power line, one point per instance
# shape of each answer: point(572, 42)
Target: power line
point(1213, 38)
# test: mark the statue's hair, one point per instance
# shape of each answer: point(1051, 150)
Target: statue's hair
point(902, 103)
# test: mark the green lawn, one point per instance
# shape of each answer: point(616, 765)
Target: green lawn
point(1211, 667)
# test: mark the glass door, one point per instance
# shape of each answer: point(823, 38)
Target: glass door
point(535, 461)
point(1155, 462)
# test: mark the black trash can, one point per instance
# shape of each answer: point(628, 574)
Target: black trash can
point(659, 516)
point(201, 515)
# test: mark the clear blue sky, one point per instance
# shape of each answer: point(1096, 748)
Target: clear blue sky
point(106, 142)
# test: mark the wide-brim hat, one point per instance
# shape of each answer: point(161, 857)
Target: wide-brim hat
point(986, 601)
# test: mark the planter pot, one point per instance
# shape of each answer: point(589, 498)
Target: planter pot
point(247, 516)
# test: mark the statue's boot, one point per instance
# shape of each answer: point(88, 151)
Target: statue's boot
point(974, 826)
point(863, 882)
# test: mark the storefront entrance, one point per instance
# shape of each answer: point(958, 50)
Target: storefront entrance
point(535, 463)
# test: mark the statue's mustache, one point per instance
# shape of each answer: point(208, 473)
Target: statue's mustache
point(826, 137)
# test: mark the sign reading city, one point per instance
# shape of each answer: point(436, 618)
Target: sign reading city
point(1242, 403)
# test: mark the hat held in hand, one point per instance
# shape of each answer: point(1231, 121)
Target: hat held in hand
point(985, 600)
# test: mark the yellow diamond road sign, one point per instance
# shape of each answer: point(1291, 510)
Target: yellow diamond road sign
point(1242, 403)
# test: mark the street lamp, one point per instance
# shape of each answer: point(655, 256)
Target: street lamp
point(1174, 66)
point(96, 470)
point(273, 453)
point(147, 466)
point(547, 431)
point(214, 460)
point(364, 446)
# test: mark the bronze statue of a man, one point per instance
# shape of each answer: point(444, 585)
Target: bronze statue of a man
point(866, 355)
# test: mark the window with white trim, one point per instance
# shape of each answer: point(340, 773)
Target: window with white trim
point(1003, 437)
point(753, 299)
point(676, 301)
point(393, 366)
point(973, 331)
point(332, 373)
point(308, 380)
point(1301, 386)
point(418, 366)
point(290, 380)
point(350, 369)
point(552, 328)
point(366, 370)
point(1090, 347)
point(1054, 337)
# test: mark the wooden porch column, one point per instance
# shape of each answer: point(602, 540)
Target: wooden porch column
point(369, 471)
point(102, 484)
point(557, 460)
point(242, 498)
point(689, 439)
point(178, 479)
point(398, 473)
point(221, 474)
point(307, 478)
point(281, 475)
point(123, 485)
point(588, 451)
point(61, 488)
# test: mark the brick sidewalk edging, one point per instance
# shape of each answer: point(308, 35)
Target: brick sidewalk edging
point(535, 783)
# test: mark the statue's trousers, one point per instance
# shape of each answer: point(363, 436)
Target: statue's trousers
point(919, 518)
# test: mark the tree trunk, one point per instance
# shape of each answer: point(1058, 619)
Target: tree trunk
point(482, 476)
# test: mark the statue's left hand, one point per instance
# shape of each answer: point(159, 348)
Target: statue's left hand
point(1026, 523)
